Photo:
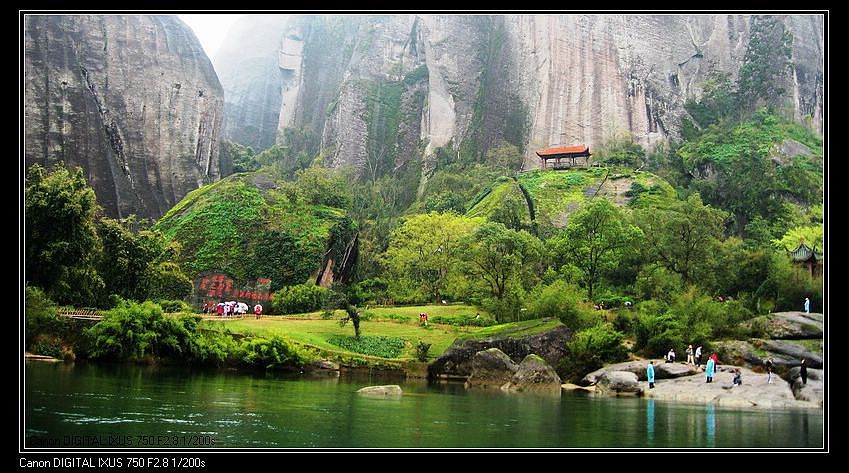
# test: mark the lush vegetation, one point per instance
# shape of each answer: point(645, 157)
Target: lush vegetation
point(658, 235)
point(79, 257)
point(385, 347)
point(251, 227)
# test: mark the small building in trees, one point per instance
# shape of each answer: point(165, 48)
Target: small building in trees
point(560, 154)
point(808, 257)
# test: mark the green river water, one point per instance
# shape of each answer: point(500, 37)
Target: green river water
point(68, 405)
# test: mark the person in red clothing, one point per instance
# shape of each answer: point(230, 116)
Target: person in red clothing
point(715, 361)
point(258, 310)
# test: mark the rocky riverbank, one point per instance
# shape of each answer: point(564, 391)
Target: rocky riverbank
point(688, 385)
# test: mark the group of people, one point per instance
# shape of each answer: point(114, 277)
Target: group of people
point(230, 308)
point(711, 368)
point(693, 356)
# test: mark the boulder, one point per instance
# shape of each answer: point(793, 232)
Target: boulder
point(456, 361)
point(812, 391)
point(491, 368)
point(391, 391)
point(321, 368)
point(662, 370)
point(534, 374)
point(784, 354)
point(618, 382)
point(755, 392)
point(566, 387)
point(792, 354)
point(784, 325)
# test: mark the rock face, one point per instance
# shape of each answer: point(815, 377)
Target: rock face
point(132, 99)
point(383, 92)
point(812, 391)
point(249, 65)
point(783, 325)
point(392, 391)
point(456, 361)
point(491, 368)
point(618, 382)
point(661, 370)
point(754, 393)
point(534, 375)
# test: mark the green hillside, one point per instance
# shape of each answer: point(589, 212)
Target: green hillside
point(554, 195)
point(248, 226)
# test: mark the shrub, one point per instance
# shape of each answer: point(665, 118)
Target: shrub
point(167, 281)
point(385, 347)
point(171, 306)
point(299, 299)
point(558, 299)
point(41, 315)
point(590, 349)
point(269, 353)
point(421, 350)
point(465, 320)
point(135, 331)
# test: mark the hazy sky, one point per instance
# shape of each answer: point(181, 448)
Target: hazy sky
point(210, 28)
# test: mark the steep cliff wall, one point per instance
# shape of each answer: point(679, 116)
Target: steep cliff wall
point(249, 66)
point(132, 99)
point(389, 90)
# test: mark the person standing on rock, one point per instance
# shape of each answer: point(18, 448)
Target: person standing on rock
point(803, 371)
point(807, 306)
point(698, 356)
point(670, 357)
point(709, 368)
point(650, 374)
point(769, 366)
point(690, 359)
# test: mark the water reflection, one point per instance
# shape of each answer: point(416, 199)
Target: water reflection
point(710, 424)
point(650, 422)
point(241, 410)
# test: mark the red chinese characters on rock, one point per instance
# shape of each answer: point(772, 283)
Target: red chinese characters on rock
point(214, 287)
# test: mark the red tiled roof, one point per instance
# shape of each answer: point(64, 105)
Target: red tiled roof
point(554, 150)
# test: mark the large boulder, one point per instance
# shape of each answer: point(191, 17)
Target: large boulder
point(618, 382)
point(534, 374)
point(491, 368)
point(662, 370)
point(550, 345)
point(785, 355)
point(756, 391)
point(792, 354)
point(391, 391)
point(789, 325)
point(812, 391)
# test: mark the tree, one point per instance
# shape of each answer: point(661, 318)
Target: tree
point(596, 240)
point(505, 158)
point(500, 256)
point(620, 148)
point(139, 265)
point(424, 251)
point(321, 186)
point(345, 298)
point(683, 236)
point(62, 245)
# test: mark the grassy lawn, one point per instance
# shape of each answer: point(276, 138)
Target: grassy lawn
point(514, 329)
point(312, 330)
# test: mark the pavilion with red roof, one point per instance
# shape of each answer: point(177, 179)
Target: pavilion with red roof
point(558, 152)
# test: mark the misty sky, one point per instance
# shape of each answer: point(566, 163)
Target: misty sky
point(210, 28)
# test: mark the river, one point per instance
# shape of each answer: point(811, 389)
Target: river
point(123, 405)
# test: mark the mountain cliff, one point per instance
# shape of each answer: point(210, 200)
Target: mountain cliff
point(382, 91)
point(134, 100)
